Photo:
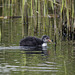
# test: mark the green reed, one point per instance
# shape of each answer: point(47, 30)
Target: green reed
point(42, 15)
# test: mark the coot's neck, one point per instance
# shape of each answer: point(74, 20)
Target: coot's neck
point(44, 44)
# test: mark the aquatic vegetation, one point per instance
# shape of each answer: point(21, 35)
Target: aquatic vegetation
point(40, 17)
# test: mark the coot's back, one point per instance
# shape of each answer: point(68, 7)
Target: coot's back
point(31, 41)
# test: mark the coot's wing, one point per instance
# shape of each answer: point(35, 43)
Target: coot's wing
point(30, 41)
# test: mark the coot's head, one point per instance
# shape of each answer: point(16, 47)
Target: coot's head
point(46, 39)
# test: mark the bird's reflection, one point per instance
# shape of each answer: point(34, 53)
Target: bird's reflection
point(34, 50)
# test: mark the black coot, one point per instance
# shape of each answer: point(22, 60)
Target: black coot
point(33, 41)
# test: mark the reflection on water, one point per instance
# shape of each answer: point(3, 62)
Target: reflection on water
point(20, 61)
point(25, 60)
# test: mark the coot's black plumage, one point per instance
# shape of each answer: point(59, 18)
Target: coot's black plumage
point(33, 41)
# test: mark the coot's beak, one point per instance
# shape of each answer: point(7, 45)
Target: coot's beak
point(49, 40)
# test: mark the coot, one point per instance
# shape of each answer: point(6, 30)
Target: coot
point(33, 41)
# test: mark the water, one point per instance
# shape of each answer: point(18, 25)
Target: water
point(57, 59)
point(15, 60)
point(19, 62)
